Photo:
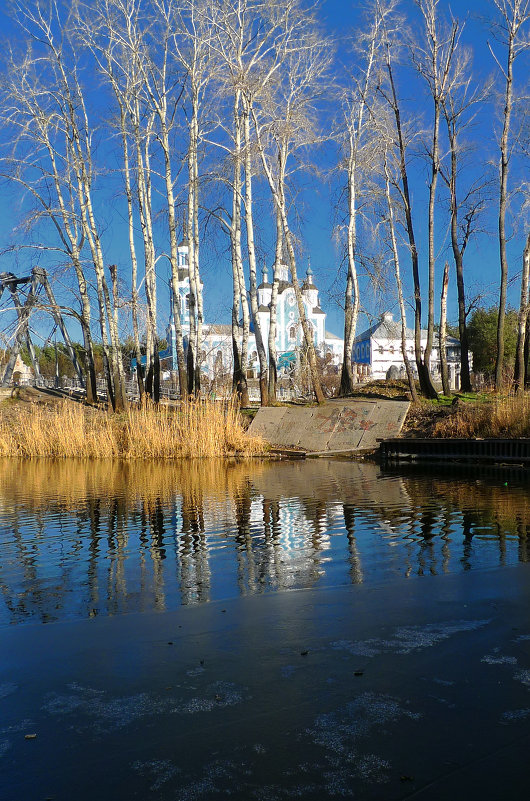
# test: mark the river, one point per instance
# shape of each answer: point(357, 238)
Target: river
point(262, 629)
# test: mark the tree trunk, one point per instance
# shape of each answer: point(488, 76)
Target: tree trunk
point(351, 297)
point(240, 303)
point(395, 256)
point(273, 354)
point(527, 350)
point(519, 375)
point(193, 349)
point(354, 121)
point(134, 261)
point(172, 225)
point(503, 200)
point(278, 192)
point(424, 376)
point(443, 332)
point(253, 283)
point(91, 380)
point(195, 234)
point(465, 374)
point(74, 250)
point(435, 166)
point(144, 167)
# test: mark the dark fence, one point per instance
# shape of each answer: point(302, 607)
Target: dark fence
point(506, 451)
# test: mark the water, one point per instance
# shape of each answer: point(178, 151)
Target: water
point(310, 630)
point(80, 540)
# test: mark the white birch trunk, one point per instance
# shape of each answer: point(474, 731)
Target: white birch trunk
point(253, 283)
point(399, 285)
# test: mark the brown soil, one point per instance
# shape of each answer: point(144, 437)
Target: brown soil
point(383, 390)
point(31, 395)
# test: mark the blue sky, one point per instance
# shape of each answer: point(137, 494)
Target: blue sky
point(317, 197)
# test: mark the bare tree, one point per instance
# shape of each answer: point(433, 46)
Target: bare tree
point(358, 125)
point(111, 31)
point(273, 306)
point(240, 302)
point(59, 114)
point(190, 24)
point(389, 92)
point(434, 59)
point(252, 39)
point(524, 309)
point(285, 122)
point(162, 87)
point(458, 109)
point(397, 272)
point(442, 334)
point(511, 32)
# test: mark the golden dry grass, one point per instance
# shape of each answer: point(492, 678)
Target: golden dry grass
point(502, 416)
point(69, 430)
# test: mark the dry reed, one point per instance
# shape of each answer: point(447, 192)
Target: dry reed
point(194, 430)
point(507, 416)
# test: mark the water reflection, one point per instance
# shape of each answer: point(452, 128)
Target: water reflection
point(82, 539)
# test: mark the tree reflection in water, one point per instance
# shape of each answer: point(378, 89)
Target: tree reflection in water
point(86, 538)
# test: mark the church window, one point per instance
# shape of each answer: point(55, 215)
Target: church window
point(292, 332)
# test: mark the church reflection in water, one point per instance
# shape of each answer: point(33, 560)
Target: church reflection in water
point(82, 539)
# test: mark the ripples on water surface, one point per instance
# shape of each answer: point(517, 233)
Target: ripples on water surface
point(82, 539)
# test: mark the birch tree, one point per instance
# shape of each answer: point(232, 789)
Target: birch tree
point(283, 124)
point(110, 30)
point(434, 59)
point(252, 40)
point(191, 35)
point(524, 309)
point(34, 161)
point(442, 333)
point(459, 105)
point(402, 139)
point(391, 222)
point(512, 34)
point(358, 126)
point(58, 75)
point(163, 82)
point(247, 36)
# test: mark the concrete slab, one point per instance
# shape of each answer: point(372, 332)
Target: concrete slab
point(345, 425)
point(413, 689)
point(387, 418)
point(289, 430)
point(267, 420)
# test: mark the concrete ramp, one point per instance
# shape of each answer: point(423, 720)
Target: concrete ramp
point(337, 426)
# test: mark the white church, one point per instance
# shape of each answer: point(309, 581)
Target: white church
point(216, 350)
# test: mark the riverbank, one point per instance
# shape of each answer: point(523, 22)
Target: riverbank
point(36, 423)
point(462, 415)
point(33, 425)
